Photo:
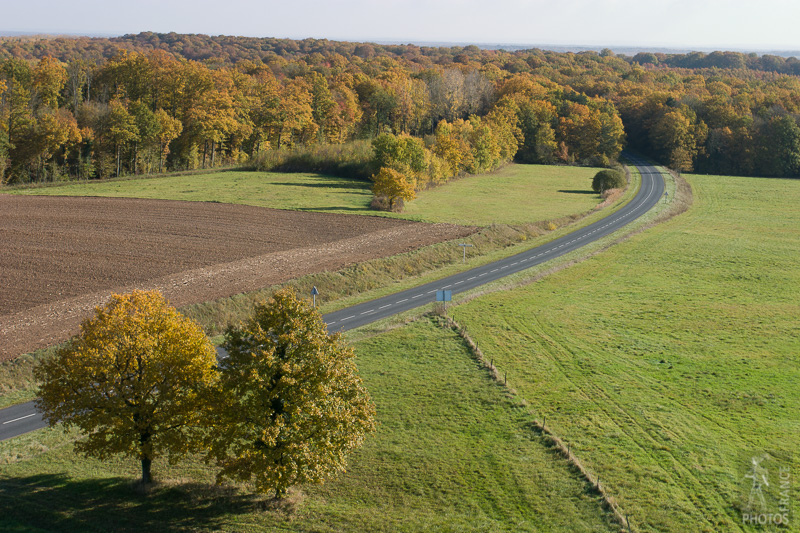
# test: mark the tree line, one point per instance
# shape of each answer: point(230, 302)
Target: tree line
point(95, 108)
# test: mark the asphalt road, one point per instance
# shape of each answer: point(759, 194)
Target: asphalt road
point(20, 419)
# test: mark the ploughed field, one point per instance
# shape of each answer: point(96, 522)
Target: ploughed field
point(62, 256)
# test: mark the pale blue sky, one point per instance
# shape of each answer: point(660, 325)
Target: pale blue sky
point(718, 24)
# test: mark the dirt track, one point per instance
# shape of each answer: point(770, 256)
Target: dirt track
point(61, 256)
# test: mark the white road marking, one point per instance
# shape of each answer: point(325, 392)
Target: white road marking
point(18, 419)
point(416, 296)
point(368, 312)
point(385, 306)
point(347, 318)
point(403, 300)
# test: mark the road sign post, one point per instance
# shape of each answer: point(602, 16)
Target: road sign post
point(464, 247)
point(314, 293)
point(444, 296)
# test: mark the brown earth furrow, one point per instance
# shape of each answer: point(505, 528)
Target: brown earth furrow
point(193, 252)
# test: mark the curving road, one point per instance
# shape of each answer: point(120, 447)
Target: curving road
point(23, 418)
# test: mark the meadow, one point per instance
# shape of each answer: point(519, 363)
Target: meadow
point(515, 194)
point(453, 452)
point(668, 361)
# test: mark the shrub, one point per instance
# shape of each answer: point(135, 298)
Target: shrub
point(608, 179)
point(348, 160)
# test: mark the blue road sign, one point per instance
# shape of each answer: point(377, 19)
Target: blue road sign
point(444, 296)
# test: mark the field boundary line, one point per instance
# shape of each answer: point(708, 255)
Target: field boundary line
point(540, 426)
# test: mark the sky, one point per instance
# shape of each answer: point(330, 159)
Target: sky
point(697, 24)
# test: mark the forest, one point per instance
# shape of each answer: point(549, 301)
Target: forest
point(85, 108)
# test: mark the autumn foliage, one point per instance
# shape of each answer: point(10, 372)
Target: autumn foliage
point(133, 381)
point(284, 408)
point(392, 185)
point(95, 108)
point(294, 405)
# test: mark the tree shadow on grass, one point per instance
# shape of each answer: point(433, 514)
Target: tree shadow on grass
point(575, 191)
point(55, 502)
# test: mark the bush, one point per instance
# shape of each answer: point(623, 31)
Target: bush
point(348, 160)
point(608, 179)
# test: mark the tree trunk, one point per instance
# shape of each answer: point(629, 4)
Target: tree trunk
point(213, 153)
point(205, 151)
point(118, 160)
point(147, 477)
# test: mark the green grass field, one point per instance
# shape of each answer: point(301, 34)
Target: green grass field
point(516, 194)
point(453, 452)
point(670, 360)
point(666, 363)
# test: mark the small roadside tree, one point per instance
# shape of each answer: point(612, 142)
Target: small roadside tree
point(132, 381)
point(291, 405)
point(608, 179)
point(392, 185)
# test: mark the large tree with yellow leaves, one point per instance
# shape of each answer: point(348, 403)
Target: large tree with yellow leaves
point(132, 381)
point(292, 405)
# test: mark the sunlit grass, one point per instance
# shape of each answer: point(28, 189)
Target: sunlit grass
point(516, 194)
point(670, 359)
point(453, 452)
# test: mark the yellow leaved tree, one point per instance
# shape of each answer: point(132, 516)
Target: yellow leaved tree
point(133, 381)
point(291, 403)
point(392, 185)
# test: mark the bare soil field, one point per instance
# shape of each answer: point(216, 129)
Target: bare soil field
point(62, 256)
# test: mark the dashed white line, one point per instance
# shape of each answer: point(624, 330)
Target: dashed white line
point(385, 306)
point(470, 279)
point(416, 296)
point(368, 312)
point(347, 318)
point(18, 419)
point(403, 300)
